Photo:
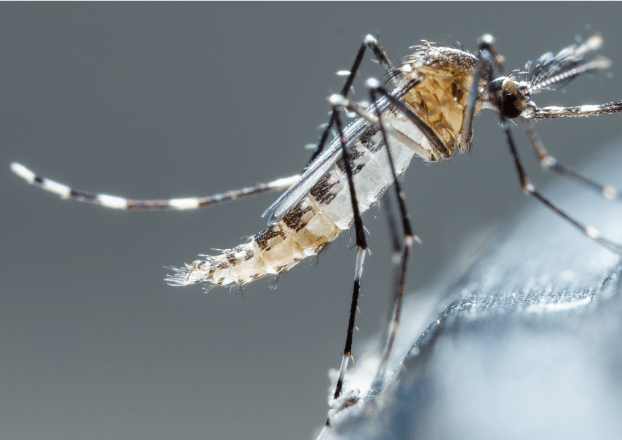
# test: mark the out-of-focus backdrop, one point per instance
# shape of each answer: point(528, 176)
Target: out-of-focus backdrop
point(174, 100)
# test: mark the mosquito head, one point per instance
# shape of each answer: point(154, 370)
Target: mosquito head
point(510, 96)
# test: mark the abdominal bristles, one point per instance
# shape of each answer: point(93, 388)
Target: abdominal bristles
point(303, 232)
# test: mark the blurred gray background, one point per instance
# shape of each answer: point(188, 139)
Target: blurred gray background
point(174, 100)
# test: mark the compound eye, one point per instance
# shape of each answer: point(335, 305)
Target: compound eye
point(512, 101)
point(511, 105)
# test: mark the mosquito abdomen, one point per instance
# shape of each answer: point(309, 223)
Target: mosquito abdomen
point(308, 227)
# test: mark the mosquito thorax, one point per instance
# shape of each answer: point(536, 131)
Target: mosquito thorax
point(441, 97)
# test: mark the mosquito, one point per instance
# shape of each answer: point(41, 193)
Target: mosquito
point(429, 113)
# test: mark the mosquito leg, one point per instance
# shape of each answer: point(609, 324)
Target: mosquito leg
point(387, 207)
point(529, 188)
point(573, 112)
point(375, 88)
point(549, 162)
point(396, 247)
point(409, 237)
point(371, 43)
point(483, 68)
point(361, 243)
point(115, 202)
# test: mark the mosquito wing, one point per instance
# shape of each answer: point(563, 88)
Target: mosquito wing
point(316, 170)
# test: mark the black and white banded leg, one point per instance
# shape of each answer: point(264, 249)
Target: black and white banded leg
point(116, 202)
point(544, 158)
point(361, 243)
point(408, 238)
point(548, 162)
point(529, 188)
point(376, 89)
point(371, 43)
point(526, 185)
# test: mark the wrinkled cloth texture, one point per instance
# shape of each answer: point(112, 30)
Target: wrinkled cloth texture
point(525, 343)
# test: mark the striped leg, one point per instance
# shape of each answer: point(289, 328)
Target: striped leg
point(481, 69)
point(120, 203)
point(361, 243)
point(488, 53)
point(530, 189)
point(409, 237)
point(544, 158)
point(549, 162)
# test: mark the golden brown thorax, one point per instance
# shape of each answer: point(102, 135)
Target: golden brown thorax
point(441, 97)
